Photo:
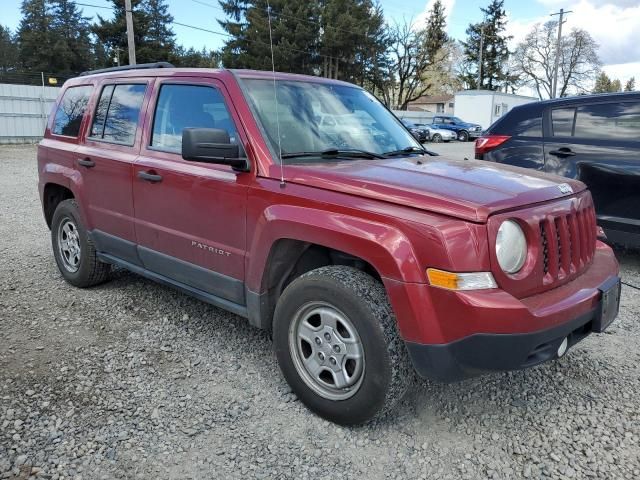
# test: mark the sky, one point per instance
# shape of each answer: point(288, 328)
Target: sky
point(614, 24)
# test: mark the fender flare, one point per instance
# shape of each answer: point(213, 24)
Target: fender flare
point(384, 247)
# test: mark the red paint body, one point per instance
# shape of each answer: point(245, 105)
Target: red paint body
point(398, 215)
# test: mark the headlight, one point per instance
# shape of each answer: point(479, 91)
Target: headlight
point(511, 247)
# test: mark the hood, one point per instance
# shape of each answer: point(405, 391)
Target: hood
point(471, 190)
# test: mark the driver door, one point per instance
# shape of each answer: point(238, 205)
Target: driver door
point(189, 216)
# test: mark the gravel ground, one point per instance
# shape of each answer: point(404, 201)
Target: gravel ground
point(134, 380)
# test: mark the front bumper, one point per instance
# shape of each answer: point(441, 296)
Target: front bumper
point(464, 334)
point(475, 133)
point(483, 353)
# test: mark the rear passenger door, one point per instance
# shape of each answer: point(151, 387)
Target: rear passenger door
point(105, 161)
point(190, 216)
point(599, 143)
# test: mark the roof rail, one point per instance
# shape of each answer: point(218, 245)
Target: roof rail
point(139, 66)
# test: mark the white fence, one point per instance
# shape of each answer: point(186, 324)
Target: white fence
point(415, 116)
point(23, 112)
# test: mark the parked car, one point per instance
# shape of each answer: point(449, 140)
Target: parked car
point(465, 131)
point(592, 138)
point(437, 135)
point(419, 134)
point(362, 263)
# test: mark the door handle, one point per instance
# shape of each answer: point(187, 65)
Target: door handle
point(86, 162)
point(149, 177)
point(562, 152)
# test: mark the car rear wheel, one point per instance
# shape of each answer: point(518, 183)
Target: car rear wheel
point(337, 345)
point(73, 250)
point(463, 136)
point(437, 138)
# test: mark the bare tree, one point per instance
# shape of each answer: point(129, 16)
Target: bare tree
point(578, 65)
point(414, 71)
point(407, 63)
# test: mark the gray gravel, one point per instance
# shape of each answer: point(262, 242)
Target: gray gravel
point(133, 380)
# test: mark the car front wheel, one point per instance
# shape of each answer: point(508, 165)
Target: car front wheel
point(337, 345)
point(437, 138)
point(463, 136)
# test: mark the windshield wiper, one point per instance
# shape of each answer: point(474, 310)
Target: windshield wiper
point(405, 151)
point(336, 152)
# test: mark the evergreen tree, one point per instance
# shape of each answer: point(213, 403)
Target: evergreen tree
point(159, 38)
point(191, 57)
point(436, 31)
point(153, 37)
point(8, 50)
point(604, 84)
point(630, 86)
point(344, 39)
point(354, 41)
point(495, 54)
point(35, 37)
point(71, 32)
point(295, 30)
point(616, 86)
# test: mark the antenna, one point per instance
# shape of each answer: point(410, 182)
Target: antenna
point(275, 97)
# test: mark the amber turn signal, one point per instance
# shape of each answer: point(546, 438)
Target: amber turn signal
point(460, 281)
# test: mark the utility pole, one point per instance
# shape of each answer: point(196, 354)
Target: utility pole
point(130, 41)
point(554, 88)
point(480, 57)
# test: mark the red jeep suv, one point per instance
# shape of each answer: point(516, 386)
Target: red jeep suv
point(365, 256)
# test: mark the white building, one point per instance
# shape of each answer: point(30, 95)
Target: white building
point(486, 106)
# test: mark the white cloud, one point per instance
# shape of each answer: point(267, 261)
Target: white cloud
point(624, 71)
point(616, 28)
point(614, 25)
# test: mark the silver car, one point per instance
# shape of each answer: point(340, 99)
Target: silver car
point(437, 135)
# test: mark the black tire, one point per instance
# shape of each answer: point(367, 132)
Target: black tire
point(463, 136)
point(387, 371)
point(89, 270)
point(437, 138)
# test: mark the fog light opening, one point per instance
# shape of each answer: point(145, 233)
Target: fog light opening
point(562, 349)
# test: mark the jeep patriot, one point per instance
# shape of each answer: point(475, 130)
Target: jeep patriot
point(366, 257)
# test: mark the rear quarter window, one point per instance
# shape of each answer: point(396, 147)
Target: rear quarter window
point(70, 111)
point(528, 127)
point(519, 122)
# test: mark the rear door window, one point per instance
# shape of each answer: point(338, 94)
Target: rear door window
point(609, 121)
point(562, 121)
point(181, 106)
point(71, 110)
point(118, 112)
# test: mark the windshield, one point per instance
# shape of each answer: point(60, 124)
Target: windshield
point(316, 118)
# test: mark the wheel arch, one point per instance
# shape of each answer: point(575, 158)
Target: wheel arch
point(295, 240)
point(52, 195)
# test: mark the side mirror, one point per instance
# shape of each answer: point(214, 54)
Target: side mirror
point(211, 145)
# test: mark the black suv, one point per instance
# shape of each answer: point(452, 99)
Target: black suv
point(594, 138)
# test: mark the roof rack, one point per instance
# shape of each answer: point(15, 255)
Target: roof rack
point(140, 66)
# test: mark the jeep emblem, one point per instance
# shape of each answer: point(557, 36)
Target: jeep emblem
point(565, 188)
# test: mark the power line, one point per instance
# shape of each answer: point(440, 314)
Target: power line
point(93, 5)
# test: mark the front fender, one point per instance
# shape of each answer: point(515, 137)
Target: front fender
point(386, 248)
